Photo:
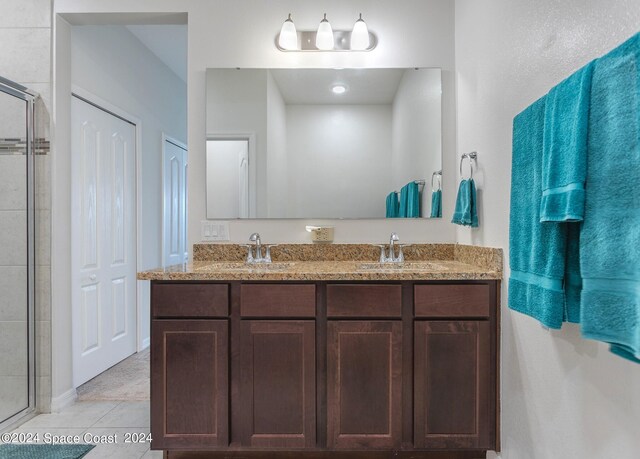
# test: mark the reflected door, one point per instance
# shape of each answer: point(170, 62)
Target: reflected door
point(103, 235)
point(16, 216)
point(174, 220)
point(228, 178)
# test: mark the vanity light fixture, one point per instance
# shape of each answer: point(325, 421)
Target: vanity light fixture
point(360, 35)
point(325, 38)
point(339, 89)
point(288, 38)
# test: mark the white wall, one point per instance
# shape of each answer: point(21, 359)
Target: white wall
point(417, 140)
point(277, 168)
point(355, 160)
point(562, 396)
point(112, 64)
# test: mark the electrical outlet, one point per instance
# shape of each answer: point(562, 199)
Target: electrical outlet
point(321, 233)
point(214, 231)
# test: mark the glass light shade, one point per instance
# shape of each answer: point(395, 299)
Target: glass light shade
point(288, 38)
point(360, 35)
point(324, 36)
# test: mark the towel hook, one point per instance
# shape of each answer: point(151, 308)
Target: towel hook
point(472, 158)
point(438, 175)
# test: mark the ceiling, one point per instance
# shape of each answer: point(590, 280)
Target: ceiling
point(313, 86)
point(167, 42)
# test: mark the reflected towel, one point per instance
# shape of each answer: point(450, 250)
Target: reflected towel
point(564, 156)
point(536, 250)
point(436, 204)
point(610, 236)
point(410, 201)
point(393, 206)
point(466, 213)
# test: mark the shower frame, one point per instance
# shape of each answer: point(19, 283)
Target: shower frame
point(30, 97)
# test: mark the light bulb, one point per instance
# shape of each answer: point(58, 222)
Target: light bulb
point(360, 35)
point(324, 36)
point(339, 89)
point(288, 38)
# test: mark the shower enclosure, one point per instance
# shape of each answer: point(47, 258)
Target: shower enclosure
point(17, 257)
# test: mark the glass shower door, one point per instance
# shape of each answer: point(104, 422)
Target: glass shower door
point(16, 253)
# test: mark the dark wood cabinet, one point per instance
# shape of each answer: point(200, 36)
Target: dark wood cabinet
point(451, 389)
point(189, 384)
point(278, 383)
point(311, 368)
point(364, 379)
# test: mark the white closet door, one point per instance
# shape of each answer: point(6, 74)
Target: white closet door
point(103, 240)
point(174, 185)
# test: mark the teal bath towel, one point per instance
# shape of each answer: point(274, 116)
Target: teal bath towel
point(610, 237)
point(410, 201)
point(436, 204)
point(564, 157)
point(465, 212)
point(536, 250)
point(393, 206)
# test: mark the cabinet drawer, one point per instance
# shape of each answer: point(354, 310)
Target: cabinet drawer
point(278, 300)
point(348, 300)
point(190, 300)
point(452, 300)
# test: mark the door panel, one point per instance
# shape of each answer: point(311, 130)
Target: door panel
point(103, 260)
point(174, 204)
point(278, 383)
point(452, 384)
point(364, 378)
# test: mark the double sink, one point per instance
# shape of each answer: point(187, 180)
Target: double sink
point(412, 266)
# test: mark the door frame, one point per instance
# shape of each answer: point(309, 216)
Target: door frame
point(250, 137)
point(177, 143)
point(90, 98)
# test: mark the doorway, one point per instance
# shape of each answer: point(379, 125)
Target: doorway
point(228, 176)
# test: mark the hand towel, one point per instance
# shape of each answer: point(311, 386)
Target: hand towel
point(393, 206)
point(465, 212)
point(610, 236)
point(564, 156)
point(410, 201)
point(436, 204)
point(536, 250)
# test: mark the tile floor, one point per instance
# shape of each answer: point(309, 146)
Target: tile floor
point(99, 418)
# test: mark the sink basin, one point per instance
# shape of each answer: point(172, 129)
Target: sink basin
point(406, 266)
point(241, 266)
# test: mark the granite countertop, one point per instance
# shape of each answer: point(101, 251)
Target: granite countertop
point(336, 262)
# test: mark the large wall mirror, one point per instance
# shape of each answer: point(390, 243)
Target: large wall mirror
point(324, 143)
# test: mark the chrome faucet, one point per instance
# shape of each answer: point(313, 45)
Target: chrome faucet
point(254, 252)
point(392, 257)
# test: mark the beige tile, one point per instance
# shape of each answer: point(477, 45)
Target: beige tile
point(14, 344)
point(13, 293)
point(43, 292)
point(13, 182)
point(43, 394)
point(13, 395)
point(13, 237)
point(127, 414)
point(153, 455)
point(43, 348)
point(118, 450)
point(25, 13)
point(43, 182)
point(26, 55)
point(43, 237)
point(81, 414)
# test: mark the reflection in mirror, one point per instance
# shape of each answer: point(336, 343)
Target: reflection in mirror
point(323, 143)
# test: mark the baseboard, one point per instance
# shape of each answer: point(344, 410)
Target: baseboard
point(145, 343)
point(63, 401)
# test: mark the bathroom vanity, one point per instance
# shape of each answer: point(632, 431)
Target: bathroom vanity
point(342, 357)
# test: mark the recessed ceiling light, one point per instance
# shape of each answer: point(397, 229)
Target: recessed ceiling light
point(339, 89)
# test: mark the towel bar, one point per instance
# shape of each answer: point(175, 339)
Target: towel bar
point(438, 175)
point(472, 157)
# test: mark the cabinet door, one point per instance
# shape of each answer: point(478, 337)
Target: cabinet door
point(364, 379)
point(278, 383)
point(189, 384)
point(451, 390)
